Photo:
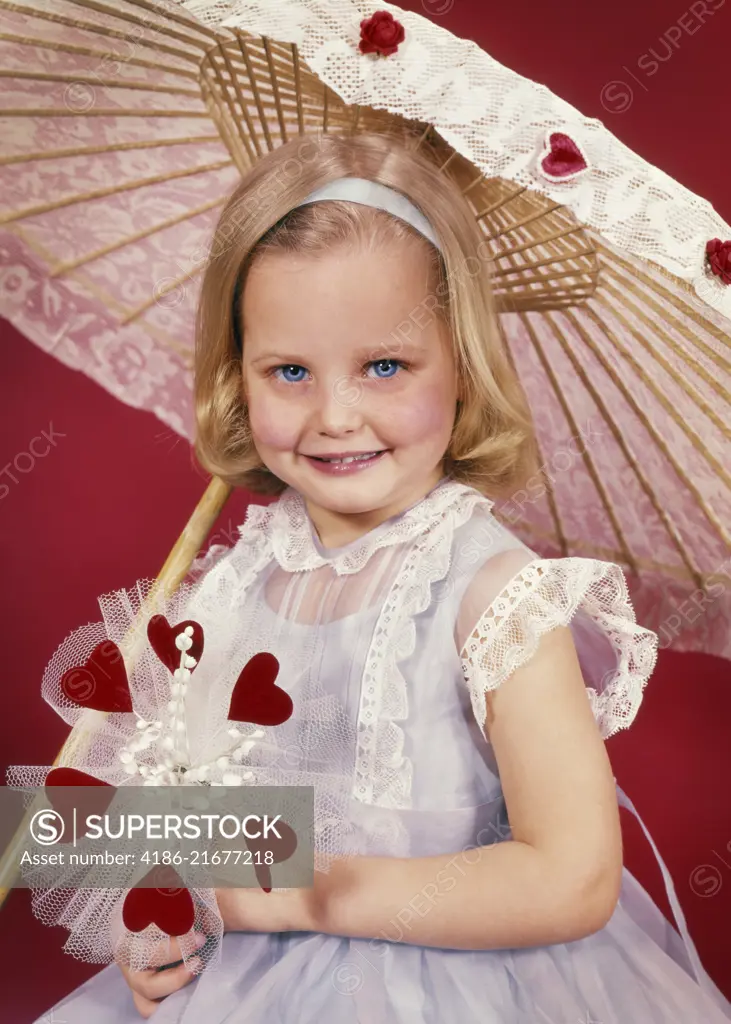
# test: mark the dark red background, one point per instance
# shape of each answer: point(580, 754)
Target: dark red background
point(107, 503)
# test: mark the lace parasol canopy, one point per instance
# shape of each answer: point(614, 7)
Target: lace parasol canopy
point(126, 126)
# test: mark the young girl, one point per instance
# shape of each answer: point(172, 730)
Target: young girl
point(349, 361)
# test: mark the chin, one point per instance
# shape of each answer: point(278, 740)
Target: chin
point(347, 492)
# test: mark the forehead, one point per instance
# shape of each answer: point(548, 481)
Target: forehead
point(349, 298)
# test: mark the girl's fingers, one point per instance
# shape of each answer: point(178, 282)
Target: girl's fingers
point(150, 986)
point(145, 1007)
point(158, 984)
point(166, 953)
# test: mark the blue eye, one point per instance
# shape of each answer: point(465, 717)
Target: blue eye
point(290, 366)
point(394, 364)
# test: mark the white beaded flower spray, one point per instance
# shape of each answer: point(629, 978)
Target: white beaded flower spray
point(158, 753)
point(256, 701)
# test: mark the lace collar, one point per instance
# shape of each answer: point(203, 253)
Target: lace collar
point(297, 547)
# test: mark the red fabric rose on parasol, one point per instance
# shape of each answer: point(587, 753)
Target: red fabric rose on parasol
point(718, 255)
point(381, 33)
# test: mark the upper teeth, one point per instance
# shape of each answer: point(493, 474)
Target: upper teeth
point(352, 458)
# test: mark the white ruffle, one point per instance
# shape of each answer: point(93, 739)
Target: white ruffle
point(547, 593)
point(289, 528)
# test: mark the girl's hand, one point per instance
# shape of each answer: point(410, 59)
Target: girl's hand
point(149, 987)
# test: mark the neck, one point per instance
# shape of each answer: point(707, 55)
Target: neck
point(336, 529)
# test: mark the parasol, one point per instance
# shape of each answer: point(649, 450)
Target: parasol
point(126, 126)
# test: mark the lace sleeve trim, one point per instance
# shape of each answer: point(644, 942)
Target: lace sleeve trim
point(545, 594)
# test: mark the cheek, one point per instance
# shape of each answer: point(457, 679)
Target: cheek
point(272, 423)
point(271, 427)
point(416, 420)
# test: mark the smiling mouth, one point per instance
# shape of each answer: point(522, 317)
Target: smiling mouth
point(349, 458)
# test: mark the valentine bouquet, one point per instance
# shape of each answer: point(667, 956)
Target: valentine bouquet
point(172, 691)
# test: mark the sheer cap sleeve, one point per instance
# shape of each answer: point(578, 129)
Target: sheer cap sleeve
point(514, 598)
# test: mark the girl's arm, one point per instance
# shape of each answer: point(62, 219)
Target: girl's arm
point(557, 880)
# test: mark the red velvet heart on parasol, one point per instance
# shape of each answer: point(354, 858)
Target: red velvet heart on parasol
point(562, 158)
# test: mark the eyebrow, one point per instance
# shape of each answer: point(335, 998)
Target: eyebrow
point(404, 348)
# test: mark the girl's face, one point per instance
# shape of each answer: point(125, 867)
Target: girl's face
point(343, 355)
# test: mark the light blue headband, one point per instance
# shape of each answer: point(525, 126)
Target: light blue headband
point(372, 193)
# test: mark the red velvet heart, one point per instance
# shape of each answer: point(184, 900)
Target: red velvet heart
point(564, 158)
point(282, 849)
point(256, 698)
point(162, 640)
point(74, 777)
point(170, 907)
point(101, 682)
point(85, 802)
point(263, 876)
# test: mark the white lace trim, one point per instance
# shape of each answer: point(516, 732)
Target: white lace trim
point(291, 534)
point(546, 594)
point(383, 774)
point(237, 567)
point(206, 561)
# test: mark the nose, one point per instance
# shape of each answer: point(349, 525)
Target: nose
point(339, 406)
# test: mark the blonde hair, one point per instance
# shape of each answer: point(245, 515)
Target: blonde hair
point(492, 447)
